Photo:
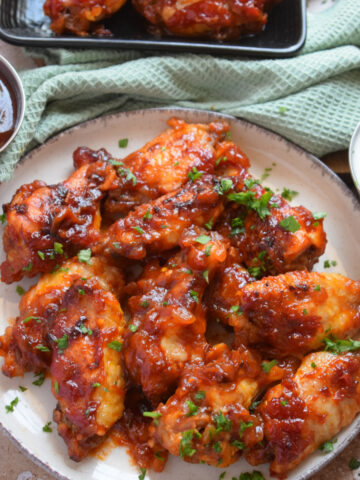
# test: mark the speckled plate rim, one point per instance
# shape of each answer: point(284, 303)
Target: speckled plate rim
point(204, 116)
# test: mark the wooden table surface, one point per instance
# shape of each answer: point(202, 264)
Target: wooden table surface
point(14, 465)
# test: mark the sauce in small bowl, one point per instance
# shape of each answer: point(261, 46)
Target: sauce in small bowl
point(12, 103)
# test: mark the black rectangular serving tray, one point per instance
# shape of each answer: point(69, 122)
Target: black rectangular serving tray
point(22, 22)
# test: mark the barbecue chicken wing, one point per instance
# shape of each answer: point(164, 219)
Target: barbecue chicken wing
point(80, 17)
point(47, 223)
point(303, 412)
point(157, 226)
point(167, 316)
point(292, 313)
point(270, 235)
point(221, 20)
point(72, 324)
point(207, 419)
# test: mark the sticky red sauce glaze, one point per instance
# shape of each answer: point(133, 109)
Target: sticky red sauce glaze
point(8, 111)
point(215, 18)
point(40, 215)
point(132, 431)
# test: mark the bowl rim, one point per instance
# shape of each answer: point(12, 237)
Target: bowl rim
point(21, 101)
point(355, 171)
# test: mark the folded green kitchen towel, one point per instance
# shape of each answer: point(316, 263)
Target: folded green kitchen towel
point(312, 99)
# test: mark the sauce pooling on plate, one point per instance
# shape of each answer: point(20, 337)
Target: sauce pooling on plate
point(7, 111)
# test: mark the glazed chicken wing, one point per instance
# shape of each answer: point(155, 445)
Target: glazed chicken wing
point(213, 18)
point(72, 324)
point(167, 316)
point(207, 419)
point(80, 16)
point(303, 412)
point(291, 314)
point(46, 223)
point(157, 226)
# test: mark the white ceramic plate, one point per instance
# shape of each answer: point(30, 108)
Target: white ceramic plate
point(320, 190)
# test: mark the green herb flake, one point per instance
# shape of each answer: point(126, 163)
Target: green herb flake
point(288, 194)
point(194, 295)
point(40, 378)
point(290, 224)
point(27, 319)
point(123, 143)
point(96, 385)
point(284, 403)
point(209, 225)
point(332, 344)
point(115, 345)
point(222, 423)
point(144, 304)
point(22, 389)
point(147, 216)
point(186, 444)
point(254, 406)
point(203, 239)
point(28, 267)
point(354, 464)
point(255, 475)
point(200, 395)
point(152, 415)
point(317, 288)
point(244, 426)
point(159, 456)
point(206, 275)
point(282, 110)
point(81, 291)
point(194, 174)
point(208, 250)
point(319, 215)
point(47, 428)
point(313, 365)
point(176, 163)
point(328, 446)
point(333, 263)
point(267, 366)
point(224, 186)
point(3, 218)
point(189, 271)
point(41, 255)
point(142, 474)
point(222, 475)
point(13, 403)
point(84, 256)
point(42, 348)
point(20, 290)
point(239, 445)
point(305, 311)
point(217, 447)
point(326, 264)
point(139, 229)
point(62, 343)
point(87, 413)
point(193, 409)
point(56, 387)
point(58, 248)
point(165, 303)
point(133, 328)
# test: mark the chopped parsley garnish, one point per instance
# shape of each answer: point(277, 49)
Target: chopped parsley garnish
point(217, 447)
point(228, 134)
point(224, 186)
point(3, 218)
point(129, 175)
point(206, 275)
point(186, 446)
point(20, 290)
point(147, 216)
point(62, 343)
point(236, 309)
point(305, 311)
point(266, 173)
point(243, 427)
point(40, 378)
point(290, 224)
point(209, 224)
point(237, 226)
point(284, 403)
point(289, 194)
point(41, 255)
point(260, 205)
point(313, 365)
point(142, 474)
point(165, 303)
point(193, 409)
point(200, 395)
point(81, 291)
point(56, 387)
point(208, 250)
point(194, 295)
point(267, 366)
point(239, 445)
point(42, 348)
point(334, 345)
point(326, 264)
point(319, 215)
point(84, 256)
point(22, 389)
point(354, 464)
point(328, 446)
point(46, 428)
point(133, 328)
point(203, 239)
point(159, 456)
point(115, 345)
point(96, 385)
point(123, 143)
point(139, 229)
point(176, 163)
point(84, 329)
point(222, 423)
point(28, 267)
point(163, 148)
point(152, 414)
point(222, 475)
point(87, 413)
point(13, 403)
point(282, 110)
point(27, 319)
point(317, 288)
point(144, 304)
point(220, 159)
point(254, 406)
point(58, 248)
point(255, 475)
point(189, 271)
point(194, 174)
point(333, 263)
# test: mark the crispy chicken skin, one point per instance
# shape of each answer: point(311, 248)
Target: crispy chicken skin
point(304, 411)
point(157, 226)
point(67, 213)
point(168, 315)
point(291, 314)
point(219, 19)
point(67, 324)
point(80, 17)
point(210, 408)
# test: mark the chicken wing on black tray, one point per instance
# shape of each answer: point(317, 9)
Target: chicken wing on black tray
point(80, 16)
point(222, 20)
point(71, 324)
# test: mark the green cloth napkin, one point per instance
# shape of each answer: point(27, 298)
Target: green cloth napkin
point(312, 99)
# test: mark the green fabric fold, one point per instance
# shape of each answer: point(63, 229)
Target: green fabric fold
point(312, 99)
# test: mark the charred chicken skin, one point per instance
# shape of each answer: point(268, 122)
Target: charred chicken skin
point(80, 17)
point(167, 313)
point(221, 20)
point(71, 324)
point(304, 411)
point(46, 223)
